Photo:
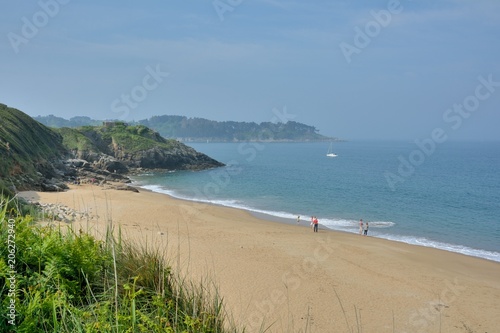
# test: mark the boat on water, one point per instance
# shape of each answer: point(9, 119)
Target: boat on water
point(330, 152)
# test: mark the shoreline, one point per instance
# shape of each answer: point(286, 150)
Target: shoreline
point(425, 242)
point(293, 278)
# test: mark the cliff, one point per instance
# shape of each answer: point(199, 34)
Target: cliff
point(133, 147)
point(33, 156)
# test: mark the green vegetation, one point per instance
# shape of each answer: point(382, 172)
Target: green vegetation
point(58, 122)
point(74, 140)
point(26, 146)
point(115, 136)
point(69, 281)
point(5, 190)
point(134, 138)
point(102, 138)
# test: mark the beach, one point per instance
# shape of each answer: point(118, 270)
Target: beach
point(285, 277)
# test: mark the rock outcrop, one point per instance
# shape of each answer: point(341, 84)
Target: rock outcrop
point(119, 148)
point(170, 159)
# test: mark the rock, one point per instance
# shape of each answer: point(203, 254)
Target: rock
point(174, 159)
point(50, 188)
point(53, 185)
point(116, 167)
point(76, 162)
point(126, 188)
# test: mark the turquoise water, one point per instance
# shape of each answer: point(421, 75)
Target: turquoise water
point(447, 197)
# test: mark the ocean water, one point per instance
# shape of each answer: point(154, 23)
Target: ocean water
point(446, 196)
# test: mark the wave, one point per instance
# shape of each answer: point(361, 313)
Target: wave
point(327, 222)
point(345, 225)
point(354, 224)
point(422, 241)
point(157, 189)
point(160, 189)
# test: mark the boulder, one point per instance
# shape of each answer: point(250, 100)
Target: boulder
point(76, 163)
point(50, 188)
point(126, 188)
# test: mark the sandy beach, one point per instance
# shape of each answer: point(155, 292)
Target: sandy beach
point(286, 277)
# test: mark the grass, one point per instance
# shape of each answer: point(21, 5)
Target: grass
point(101, 138)
point(74, 140)
point(135, 138)
point(22, 150)
point(69, 281)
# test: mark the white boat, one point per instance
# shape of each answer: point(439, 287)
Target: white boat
point(330, 152)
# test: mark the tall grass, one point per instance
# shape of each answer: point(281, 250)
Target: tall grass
point(69, 281)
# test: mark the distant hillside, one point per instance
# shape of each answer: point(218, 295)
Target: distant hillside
point(200, 129)
point(53, 121)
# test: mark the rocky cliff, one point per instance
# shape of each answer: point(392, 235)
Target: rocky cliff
point(33, 156)
point(118, 147)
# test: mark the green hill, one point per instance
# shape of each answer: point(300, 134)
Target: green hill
point(27, 148)
point(133, 146)
point(111, 136)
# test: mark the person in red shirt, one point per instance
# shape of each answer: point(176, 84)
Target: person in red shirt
point(315, 223)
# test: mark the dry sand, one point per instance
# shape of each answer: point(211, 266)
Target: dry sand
point(294, 280)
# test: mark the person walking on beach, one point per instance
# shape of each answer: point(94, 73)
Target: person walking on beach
point(298, 219)
point(361, 226)
point(366, 229)
point(315, 223)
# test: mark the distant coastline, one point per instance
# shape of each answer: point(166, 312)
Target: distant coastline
point(209, 140)
point(186, 129)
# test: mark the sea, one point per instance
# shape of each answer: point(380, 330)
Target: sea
point(440, 195)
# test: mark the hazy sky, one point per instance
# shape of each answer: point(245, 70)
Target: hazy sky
point(354, 69)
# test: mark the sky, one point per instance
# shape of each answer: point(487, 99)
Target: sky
point(358, 70)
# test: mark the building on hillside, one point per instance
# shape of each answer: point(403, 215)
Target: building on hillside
point(113, 123)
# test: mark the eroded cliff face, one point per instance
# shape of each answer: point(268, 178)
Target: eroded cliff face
point(119, 147)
